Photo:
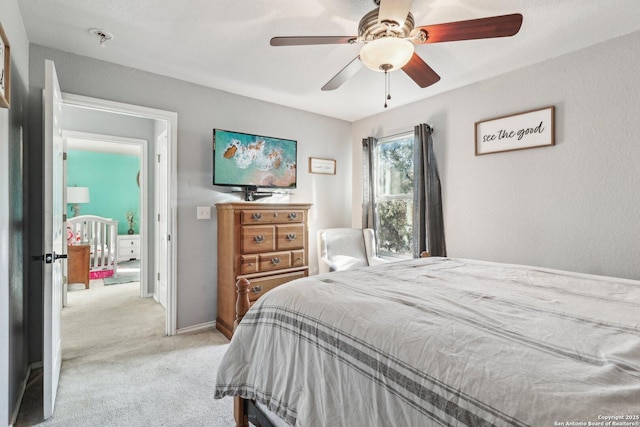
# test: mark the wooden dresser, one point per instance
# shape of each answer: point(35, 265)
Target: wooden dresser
point(78, 264)
point(265, 243)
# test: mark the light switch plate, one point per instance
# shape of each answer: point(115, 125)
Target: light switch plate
point(204, 212)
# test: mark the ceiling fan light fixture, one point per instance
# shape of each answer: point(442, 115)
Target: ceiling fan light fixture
point(386, 54)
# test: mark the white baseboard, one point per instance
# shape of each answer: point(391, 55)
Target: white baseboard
point(194, 328)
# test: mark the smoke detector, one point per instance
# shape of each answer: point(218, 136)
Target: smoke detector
point(102, 35)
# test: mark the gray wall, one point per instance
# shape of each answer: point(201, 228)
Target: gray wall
point(200, 110)
point(13, 230)
point(573, 206)
point(88, 120)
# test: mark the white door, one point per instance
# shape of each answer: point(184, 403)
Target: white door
point(53, 237)
point(161, 230)
point(65, 269)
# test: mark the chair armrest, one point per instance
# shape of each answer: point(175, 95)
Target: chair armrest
point(343, 262)
point(377, 260)
point(325, 265)
point(370, 245)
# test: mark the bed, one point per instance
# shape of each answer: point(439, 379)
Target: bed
point(102, 236)
point(438, 341)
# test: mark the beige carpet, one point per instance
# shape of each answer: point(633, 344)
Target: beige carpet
point(119, 369)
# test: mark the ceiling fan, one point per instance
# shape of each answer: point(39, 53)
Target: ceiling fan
point(388, 35)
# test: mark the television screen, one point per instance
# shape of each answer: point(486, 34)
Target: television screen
point(245, 160)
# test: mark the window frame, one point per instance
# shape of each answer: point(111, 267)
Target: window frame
point(378, 198)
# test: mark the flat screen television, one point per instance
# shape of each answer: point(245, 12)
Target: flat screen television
point(253, 161)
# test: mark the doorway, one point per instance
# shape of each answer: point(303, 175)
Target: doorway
point(152, 246)
point(109, 168)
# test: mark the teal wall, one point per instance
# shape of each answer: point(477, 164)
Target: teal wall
point(113, 189)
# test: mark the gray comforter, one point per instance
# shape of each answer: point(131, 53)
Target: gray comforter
point(442, 341)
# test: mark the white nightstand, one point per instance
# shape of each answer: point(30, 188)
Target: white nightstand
point(128, 247)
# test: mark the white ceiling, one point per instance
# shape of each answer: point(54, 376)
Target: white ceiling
point(225, 44)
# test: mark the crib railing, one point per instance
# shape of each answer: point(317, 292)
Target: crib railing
point(102, 235)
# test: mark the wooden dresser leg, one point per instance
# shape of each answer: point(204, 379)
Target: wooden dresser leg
point(240, 412)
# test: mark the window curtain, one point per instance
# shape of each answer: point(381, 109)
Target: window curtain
point(368, 209)
point(428, 223)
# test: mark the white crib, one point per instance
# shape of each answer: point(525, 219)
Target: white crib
point(102, 235)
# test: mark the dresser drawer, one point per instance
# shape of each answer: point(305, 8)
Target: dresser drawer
point(261, 285)
point(271, 216)
point(128, 253)
point(297, 258)
point(248, 264)
point(128, 242)
point(290, 236)
point(274, 261)
point(257, 238)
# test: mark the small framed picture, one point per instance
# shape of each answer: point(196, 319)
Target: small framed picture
point(5, 69)
point(326, 166)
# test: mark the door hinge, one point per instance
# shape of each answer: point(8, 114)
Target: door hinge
point(158, 277)
point(64, 156)
point(158, 157)
point(64, 217)
point(168, 237)
point(158, 217)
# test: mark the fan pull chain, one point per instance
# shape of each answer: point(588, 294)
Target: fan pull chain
point(387, 87)
point(387, 82)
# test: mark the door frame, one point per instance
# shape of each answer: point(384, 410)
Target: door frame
point(160, 204)
point(142, 144)
point(171, 119)
point(5, 411)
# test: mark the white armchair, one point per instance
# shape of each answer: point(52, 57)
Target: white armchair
point(346, 248)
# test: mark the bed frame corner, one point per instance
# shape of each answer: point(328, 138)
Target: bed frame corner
point(242, 301)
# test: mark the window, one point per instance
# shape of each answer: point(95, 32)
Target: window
point(393, 194)
point(406, 222)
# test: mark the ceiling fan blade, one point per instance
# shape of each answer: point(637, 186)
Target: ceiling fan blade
point(420, 72)
point(394, 11)
point(345, 74)
point(483, 28)
point(304, 41)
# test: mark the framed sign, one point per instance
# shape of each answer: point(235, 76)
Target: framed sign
point(326, 166)
point(518, 131)
point(5, 69)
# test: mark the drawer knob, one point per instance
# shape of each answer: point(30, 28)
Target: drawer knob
point(256, 289)
point(250, 264)
point(293, 215)
point(275, 261)
point(259, 238)
point(256, 216)
point(291, 236)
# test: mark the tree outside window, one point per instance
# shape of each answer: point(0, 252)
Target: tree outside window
point(393, 192)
